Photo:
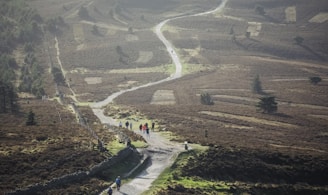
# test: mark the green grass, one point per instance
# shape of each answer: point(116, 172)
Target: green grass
point(172, 176)
point(191, 68)
point(114, 147)
point(165, 68)
point(169, 68)
point(168, 135)
point(210, 186)
point(139, 144)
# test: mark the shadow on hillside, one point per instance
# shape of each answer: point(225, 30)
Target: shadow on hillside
point(239, 44)
point(252, 39)
point(320, 57)
point(264, 93)
point(87, 18)
point(282, 115)
point(271, 19)
point(125, 17)
point(97, 33)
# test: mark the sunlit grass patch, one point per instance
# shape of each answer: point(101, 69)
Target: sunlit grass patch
point(169, 28)
point(192, 68)
point(173, 176)
point(139, 144)
point(165, 68)
point(169, 135)
point(115, 146)
point(205, 185)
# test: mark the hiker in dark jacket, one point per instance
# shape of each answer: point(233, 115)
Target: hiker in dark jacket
point(110, 191)
point(127, 124)
point(118, 182)
point(140, 128)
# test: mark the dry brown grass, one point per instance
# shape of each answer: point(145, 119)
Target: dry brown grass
point(55, 146)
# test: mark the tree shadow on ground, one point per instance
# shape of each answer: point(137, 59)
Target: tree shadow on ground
point(282, 115)
point(264, 93)
point(320, 57)
point(271, 19)
point(97, 33)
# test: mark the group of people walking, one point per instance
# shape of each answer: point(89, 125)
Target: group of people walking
point(127, 125)
point(144, 128)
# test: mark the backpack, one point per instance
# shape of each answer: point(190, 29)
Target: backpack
point(110, 191)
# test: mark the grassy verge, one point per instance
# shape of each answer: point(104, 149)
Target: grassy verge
point(115, 146)
point(173, 176)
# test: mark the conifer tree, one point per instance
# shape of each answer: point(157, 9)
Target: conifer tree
point(30, 119)
point(267, 104)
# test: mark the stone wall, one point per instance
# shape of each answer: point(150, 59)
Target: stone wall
point(77, 176)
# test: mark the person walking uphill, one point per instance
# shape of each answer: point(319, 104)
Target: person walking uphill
point(118, 182)
point(153, 126)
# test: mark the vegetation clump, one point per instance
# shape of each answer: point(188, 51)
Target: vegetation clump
point(267, 104)
point(8, 98)
point(298, 40)
point(58, 76)
point(315, 80)
point(30, 119)
point(259, 10)
point(206, 99)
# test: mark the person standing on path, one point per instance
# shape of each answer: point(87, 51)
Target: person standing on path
point(147, 132)
point(144, 127)
point(118, 182)
point(131, 126)
point(153, 126)
point(127, 124)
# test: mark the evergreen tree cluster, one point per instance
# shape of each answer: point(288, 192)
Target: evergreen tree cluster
point(7, 66)
point(58, 76)
point(53, 24)
point(8, 98)
point(31, 76)
point(20, 26)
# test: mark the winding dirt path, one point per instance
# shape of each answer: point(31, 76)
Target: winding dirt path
point(161, 150)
